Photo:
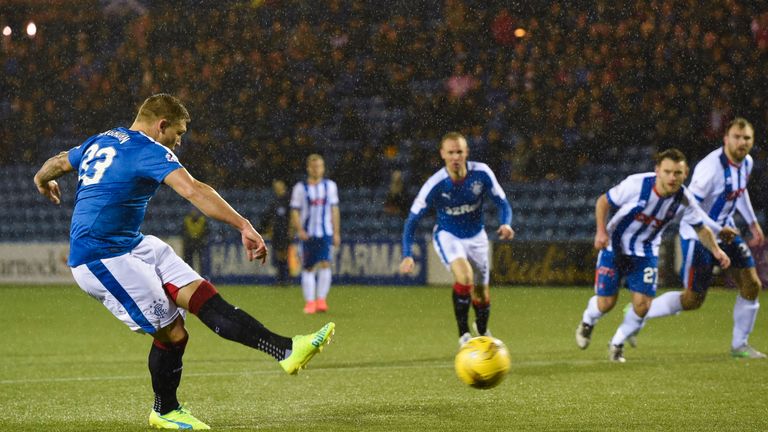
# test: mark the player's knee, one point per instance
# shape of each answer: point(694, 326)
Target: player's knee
point(751, 288)
point(172, 335)
point(692, 300)
point(462, 289)
point(641, 309)
point(605, 304)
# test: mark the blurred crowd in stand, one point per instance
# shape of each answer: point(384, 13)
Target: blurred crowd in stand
point(542, 89)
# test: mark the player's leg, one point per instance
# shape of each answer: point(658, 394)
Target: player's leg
point(324, 275)
point(165, 367)
point(477, 254)
point(462, 296)
point(453, 255)
point(131, 289)
point(201, 298)
point(696, 275)
point(309, 250)
point(607, 277)
point(747, 303)
point(641, 279)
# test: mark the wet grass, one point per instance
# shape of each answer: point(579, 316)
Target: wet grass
point(67, 365)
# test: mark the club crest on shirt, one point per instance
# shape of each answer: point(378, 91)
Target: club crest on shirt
point(477, 187)
point(171, 157)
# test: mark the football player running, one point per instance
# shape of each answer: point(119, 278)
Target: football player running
point(456, 193)
point(719, 183)
point(643, 206)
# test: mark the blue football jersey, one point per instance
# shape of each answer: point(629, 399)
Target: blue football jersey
point(118, 172)
point(459, 205)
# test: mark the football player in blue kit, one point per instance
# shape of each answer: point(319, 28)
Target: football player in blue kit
point(456, 193)
point(138, 277)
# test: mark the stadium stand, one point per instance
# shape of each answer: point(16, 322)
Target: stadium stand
point(561, 114)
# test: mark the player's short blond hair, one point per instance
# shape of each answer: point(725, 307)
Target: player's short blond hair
point(163, 106)
point(452, 136)
point(313, 157)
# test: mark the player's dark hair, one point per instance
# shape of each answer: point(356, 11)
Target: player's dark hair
point(452, 136)
point(739, 122)
point(672, 154)
point(163, 106)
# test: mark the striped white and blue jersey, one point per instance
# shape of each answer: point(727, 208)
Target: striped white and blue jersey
point(641, 215)
point(720, 187)
point(314, 203)
point(459, 205)
point(118, 172)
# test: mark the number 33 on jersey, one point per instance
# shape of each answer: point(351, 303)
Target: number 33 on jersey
point(118, 172)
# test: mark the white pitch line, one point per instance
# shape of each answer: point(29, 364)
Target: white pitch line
point(424, 365)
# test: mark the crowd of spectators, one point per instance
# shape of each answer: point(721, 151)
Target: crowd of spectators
point(541, 88)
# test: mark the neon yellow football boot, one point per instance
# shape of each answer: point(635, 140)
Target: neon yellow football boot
point(305, 347)
point(179, 418)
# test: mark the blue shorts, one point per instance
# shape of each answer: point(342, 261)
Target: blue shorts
point(315, 250)
point(698, 262)
point(639, 273)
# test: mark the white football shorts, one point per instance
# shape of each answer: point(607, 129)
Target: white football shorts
point(474, 249)
point(131, 285)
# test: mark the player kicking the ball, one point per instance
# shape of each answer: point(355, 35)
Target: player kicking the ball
point(643, 204)
point(456, 193)
point(139, 278)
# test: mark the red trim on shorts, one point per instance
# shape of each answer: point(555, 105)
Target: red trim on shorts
point(172, 290)
point(462, 289)
point(203, 293)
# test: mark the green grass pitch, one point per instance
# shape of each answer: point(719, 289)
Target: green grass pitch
point(67, 365)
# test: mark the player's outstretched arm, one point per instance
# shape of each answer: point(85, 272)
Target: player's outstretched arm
point(45, 179)
point(708, 240)
point(208, 201)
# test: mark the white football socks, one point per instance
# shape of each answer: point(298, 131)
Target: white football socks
point(308, 285)
point(591, 314)
point(744, 315)
point(669, 303)
point(631, 325)
point(323, 282)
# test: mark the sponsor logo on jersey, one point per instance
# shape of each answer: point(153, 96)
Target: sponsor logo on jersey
point(735, 194)
point(462, 209)
point(648, 220)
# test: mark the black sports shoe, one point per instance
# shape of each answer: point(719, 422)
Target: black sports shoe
point(616, 353)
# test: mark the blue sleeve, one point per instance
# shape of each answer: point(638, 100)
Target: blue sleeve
point(505, 210)
point(75, 155)
point(408, 232)
point(157, 161)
